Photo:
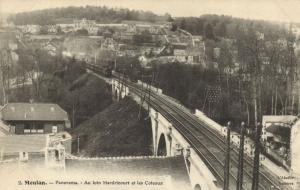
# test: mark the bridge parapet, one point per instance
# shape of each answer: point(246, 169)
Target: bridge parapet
point(176, 144)
point(152, 88)
point(200, 174)
point(72, 157)
point(168, 141)
point(202, 117)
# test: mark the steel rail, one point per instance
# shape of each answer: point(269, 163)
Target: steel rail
point(194, 122)
point(192, 139)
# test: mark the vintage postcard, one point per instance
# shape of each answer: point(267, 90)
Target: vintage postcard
point(149, 94)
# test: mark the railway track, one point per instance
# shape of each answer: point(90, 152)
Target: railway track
point(208, 144)
point(189, 126)
point(267, 182)
point(205, 147)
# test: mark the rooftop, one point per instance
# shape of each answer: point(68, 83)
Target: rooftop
point(23, 143)
point(33, 112)
point(286, 119)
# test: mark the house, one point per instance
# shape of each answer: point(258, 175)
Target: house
point(259, 35)
point(52, 29)
point(32, 29)
point(179, 50)
point(294, 148)
point(152, 29)
point(109, 44)
point(180, 55)
point(217, 52)
point(34, 118)
point(189, 54)
point(271, 121)
point(123, 36)
point(276, 136)
point(89, 25)
point(131, 28)
point(33, 150)
point(93, 30)
point(198, 41)
point(195, 55)
point(50, 48)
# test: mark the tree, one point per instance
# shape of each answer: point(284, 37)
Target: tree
point(44, 30)
point(5, 64)
point(59, 30)
point(144, 37)
point(182, 24)
point(209, 33)
point(221, 29)
point(82, 32)
point(174, 27)
point(168, 17)
point(251, 50)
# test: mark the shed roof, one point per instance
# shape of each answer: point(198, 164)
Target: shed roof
point(23, 143)
point(33, 112)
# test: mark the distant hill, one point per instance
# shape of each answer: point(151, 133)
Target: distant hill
point(100, 14)
point(212, 26)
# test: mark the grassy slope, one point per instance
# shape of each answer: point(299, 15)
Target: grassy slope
point(116, 131)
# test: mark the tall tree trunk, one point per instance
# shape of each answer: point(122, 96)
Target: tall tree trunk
point(275, 106)
point(272, 103)
point(293, 101)
point(259, 104)
point(255, 100)
point(3, 89)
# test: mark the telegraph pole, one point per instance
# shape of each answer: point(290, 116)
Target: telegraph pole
point(255, 177)
point(78, 150)
point(149, 94)
point(227, 159)
point(239, 185)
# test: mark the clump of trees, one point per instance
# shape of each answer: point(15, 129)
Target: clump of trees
point(256, 74)
point(143, 37)
point(82, 32)
point(44, 78)
point(215, 27)
point(100, 14)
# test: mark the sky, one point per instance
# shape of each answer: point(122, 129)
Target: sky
point(274, 10)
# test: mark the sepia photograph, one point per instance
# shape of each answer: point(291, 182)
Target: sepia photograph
point(149, 94)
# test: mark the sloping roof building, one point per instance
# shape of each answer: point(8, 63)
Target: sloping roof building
point(28, 118)
point(33, 112)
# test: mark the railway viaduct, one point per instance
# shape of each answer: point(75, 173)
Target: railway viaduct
point(175, 131)
point(167, 141)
